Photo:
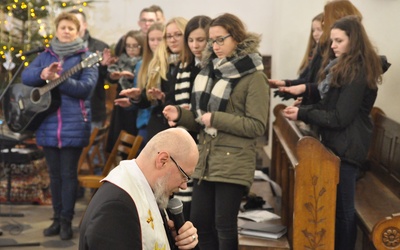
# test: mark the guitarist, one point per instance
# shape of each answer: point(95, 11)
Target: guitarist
point(65, 131)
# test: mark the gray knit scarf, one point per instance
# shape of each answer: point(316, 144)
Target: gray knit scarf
point(65, 49)
point(125, 63)
point(323, 86)
point(215, 83)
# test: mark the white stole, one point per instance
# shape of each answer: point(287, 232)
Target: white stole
point(130, 178)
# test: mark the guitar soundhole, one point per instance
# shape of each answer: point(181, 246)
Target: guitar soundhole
point(35, 95)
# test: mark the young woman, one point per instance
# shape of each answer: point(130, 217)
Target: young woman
point(161, 77)
point(229, 110)
point(154, 38)
point(64, 133)
point(313, 39)
point(343, 115)
point(307, 87)
point(196, 38)
point(124, 73)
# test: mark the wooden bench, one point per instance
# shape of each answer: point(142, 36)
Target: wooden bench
point(378, 190)
point(308, 174)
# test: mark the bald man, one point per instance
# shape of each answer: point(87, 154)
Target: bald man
point(125, 211)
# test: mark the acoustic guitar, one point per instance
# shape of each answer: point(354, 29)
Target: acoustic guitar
point(26, 107)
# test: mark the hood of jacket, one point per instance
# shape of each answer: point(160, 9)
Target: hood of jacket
point(248, 46)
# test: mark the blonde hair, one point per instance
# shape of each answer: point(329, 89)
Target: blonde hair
point(159, 65)
point(147, 56)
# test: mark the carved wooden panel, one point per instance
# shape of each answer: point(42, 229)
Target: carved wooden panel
point(317, 176)
point(386, 233)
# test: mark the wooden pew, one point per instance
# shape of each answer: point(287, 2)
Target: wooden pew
point(308, 174)
point(378, 190)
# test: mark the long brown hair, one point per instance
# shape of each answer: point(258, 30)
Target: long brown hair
point(333, 11)
point(196, 22)
point(361, 57)
point(312, 44)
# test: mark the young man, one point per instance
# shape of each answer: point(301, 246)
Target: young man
point(159, 12)
point(147, 17)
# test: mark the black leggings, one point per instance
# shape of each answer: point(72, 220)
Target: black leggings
point(214, 211)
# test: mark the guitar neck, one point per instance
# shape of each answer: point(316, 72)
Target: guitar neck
point(54, 83)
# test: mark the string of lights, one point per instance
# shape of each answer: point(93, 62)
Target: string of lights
point(28, 24)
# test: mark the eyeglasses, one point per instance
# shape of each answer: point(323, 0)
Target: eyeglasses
point(133, 46)
point(219, 40)
point(143, 20)
point(175, 36)
point(187, 177)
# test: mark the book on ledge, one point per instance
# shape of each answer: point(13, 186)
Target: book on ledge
point(262, 230)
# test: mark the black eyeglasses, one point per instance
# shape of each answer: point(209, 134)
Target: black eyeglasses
point(174, 36)
point(219, 40)
point(187, 177)
point(132, 46)
point(144, 20)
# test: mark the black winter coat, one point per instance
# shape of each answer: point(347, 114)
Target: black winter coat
point(343, 118)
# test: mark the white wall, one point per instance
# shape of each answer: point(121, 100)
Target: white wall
point(284, 24)
point(111, 19)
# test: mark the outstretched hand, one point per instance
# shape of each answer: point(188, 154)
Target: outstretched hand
point(291, 112)
point(273, 83)
point(122, 102)
point(133, 93)
point(108, 59)
point(156, 93)
point(50, 72)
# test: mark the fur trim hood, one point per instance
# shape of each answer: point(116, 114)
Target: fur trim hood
point(247, 46)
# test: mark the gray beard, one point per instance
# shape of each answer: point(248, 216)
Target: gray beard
point(160, 192)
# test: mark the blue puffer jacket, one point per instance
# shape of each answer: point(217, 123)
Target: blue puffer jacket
point(69, 126)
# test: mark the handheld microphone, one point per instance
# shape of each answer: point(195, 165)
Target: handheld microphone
point(30, 52)
point(175, 207)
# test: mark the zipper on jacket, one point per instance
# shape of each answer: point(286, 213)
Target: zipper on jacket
point(84, 113)
point(59, 127)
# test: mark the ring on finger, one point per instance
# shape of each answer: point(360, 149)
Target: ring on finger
point(193, 237)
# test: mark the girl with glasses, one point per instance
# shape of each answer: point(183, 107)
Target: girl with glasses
point(161, 76)
point(124, 73)
point(153, 39)
point(229, 110)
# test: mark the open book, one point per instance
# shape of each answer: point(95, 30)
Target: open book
point(262, 230)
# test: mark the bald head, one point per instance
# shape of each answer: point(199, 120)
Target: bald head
point(177, 142)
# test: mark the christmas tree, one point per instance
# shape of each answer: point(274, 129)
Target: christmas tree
point(25, 25)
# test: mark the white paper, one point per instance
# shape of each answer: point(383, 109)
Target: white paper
point(258, 215)
point(259, 175)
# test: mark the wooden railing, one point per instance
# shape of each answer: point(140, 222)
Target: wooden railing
point(308, 174)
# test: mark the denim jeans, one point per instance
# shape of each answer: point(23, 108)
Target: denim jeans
point(346, 228)
point(214, 211)
point(62, 165)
